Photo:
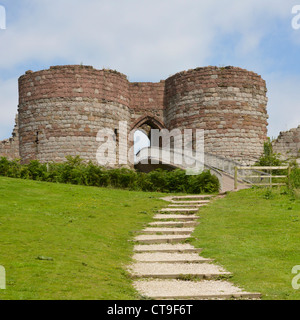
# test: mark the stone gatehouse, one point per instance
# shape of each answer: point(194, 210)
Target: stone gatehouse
point(61, 110)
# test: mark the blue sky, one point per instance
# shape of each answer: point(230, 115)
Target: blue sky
point(149, 40)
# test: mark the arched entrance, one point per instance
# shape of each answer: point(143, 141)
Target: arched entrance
point(149, 121)
point(145, 124)
point(142, 139)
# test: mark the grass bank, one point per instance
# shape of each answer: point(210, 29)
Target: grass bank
point(255, 234)
point(69, 242)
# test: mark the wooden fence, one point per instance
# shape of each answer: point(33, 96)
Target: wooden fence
point(259, 178)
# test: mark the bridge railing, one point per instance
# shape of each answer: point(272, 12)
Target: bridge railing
point(220, 163)
point(171, 157)
point(229, 166)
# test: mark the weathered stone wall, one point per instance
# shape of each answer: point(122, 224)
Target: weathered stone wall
point(62, 109)
point(9, 148)
point(288, 144)
point(228, 103)
point(147, 99)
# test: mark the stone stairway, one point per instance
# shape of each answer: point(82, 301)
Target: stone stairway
point(167, 267)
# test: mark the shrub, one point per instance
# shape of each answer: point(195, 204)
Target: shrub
point(177, 181)
point(75, 171)
point(34, 170)
point(4, 166)
point(10, 168)
point(203, 183)
point(295, 178)
point(269, 158)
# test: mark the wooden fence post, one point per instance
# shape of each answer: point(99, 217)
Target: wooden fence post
point(289, 176)
point(235, 178)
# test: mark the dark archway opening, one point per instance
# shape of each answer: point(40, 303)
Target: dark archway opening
point(142, 140)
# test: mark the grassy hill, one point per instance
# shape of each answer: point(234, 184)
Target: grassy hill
point(69, 242)
point(61, 241)
point(255, 234)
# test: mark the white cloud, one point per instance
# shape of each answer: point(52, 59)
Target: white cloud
point(132, 32)
point(148, 40)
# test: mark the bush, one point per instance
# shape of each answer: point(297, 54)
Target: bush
point(295, 178)
point(203, 183)
point(177, 181)
point(4, 166)
point(35, 171)
point(10, 168)
point(74, 171)
point(269, 158)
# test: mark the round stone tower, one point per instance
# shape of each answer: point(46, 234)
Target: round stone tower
point(228, 103)
point(62, 109)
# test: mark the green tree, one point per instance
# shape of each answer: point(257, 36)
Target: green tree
point(269, 158)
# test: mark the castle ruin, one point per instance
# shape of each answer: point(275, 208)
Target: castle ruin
point(61, 110)
point(288, 144)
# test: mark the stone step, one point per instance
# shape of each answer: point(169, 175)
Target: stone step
point(175, 224)
point(176, 270)
point(191, 290)
point(203, 196)
point(200, 202)
point(168, 230)
point(170, 258)
point(181, 210)
point(167, 248)
point(176, 217)
point(186, 205)
point(151, 239)
point(167, 268)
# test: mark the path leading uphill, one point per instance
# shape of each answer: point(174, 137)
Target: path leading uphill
point(166, 267)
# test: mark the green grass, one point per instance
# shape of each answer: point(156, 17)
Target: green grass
point(72, 242)
point(255, 235)
point(84, 230)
